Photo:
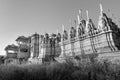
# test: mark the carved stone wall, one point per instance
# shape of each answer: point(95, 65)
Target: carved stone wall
point(34, 45)
point(86, 40)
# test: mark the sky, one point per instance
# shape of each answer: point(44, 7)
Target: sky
point(25, 17)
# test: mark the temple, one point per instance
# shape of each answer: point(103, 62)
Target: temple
point(82, 41)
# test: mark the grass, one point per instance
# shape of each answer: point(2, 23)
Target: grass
point(61, 71)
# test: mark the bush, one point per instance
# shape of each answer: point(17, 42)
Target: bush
point(61, 71)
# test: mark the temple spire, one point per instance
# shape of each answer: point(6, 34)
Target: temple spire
point(80, 13)
point(87, 22)
point(63, 28)
point(87, 14)
point(101, 9)
point(75, 23)
point(78, 18)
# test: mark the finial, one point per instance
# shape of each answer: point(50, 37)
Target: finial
point(63, 27)
point(101, 9)
point(75, 23)
point(78, 18)
point(57, 31)
point(80, 13)
point(87, 14)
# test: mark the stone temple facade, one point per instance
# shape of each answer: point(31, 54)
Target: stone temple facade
point(18, 53)
point(84, 40)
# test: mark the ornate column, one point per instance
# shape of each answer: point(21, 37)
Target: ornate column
point(63, 46)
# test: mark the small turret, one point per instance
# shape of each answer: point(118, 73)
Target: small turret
point(87, 15)
point(78, 19)
point(87, 22)
point(80, 14)
point(102, 22)
point(63, 28)
point(101, 9)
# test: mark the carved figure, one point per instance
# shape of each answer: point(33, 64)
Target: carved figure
point(53, 39)
point(41, 38)
point(79, 31)
point(83, 25)
point(46, 39)
point(90, 27)
point(58, 38)
point(72, 32)
point(81, 28)
point(65, 35)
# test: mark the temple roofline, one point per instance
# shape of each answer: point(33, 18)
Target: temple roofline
point(11, 47)
point(23, 39)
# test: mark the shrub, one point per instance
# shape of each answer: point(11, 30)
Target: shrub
point(61, 71)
